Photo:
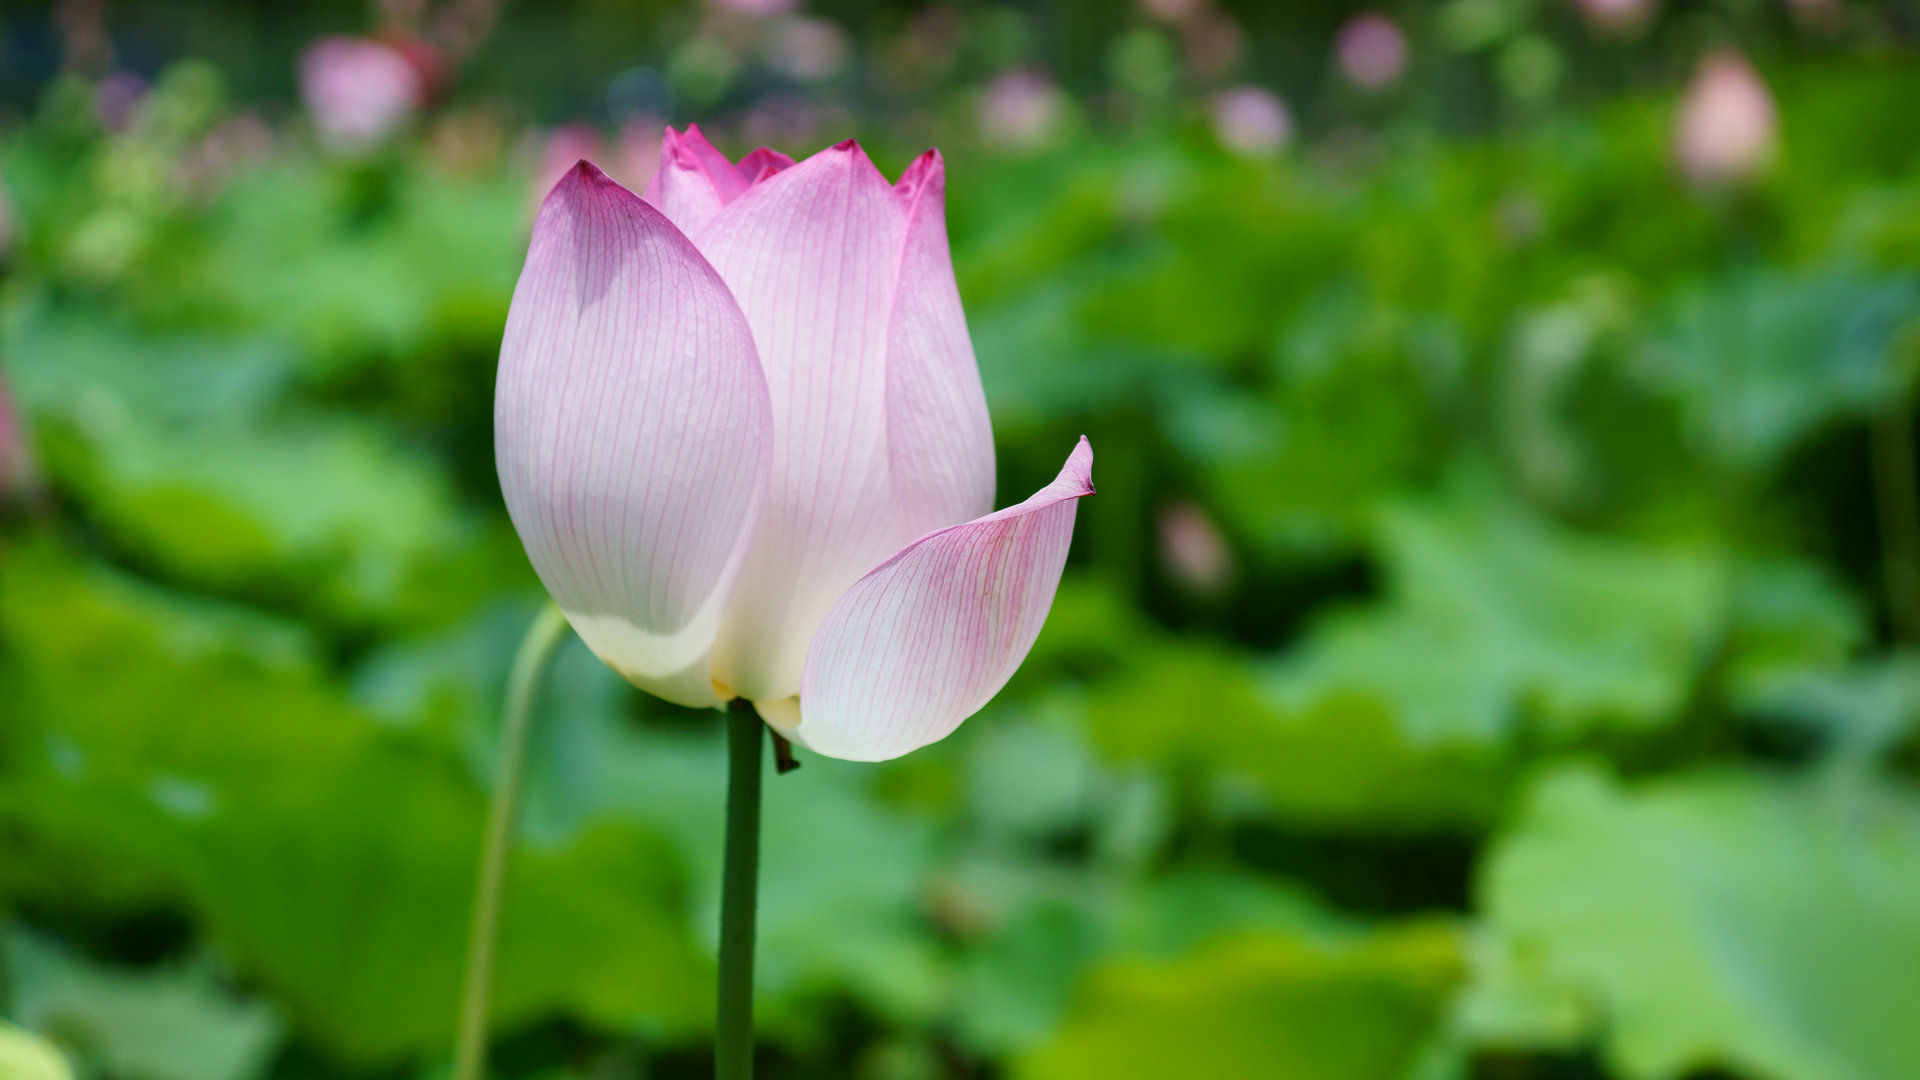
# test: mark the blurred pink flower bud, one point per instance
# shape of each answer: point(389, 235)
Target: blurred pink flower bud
point(358, 91)
point(1818, 14)
point(9, 223)
point(1213, 42)
point(756, 9)
point(788, 118)
point(807, 49)
point(116, 98)
point(741, 433)
point(562, 149)
point(1727, 126)
point(1021, 110)
point(203, 168)
point(1372, 50)
point(636, 153)
point(1191, 547)
point(1172, 12)
point(1250, 121)
point(16, 458)
point(1620, 17)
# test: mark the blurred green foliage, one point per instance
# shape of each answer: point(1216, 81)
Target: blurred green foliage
point(1539, 706)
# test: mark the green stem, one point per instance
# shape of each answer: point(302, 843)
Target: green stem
point(1897, 491)
point(543, 636)
point(733, 1033)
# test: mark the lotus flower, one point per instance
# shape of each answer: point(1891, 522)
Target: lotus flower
point(358, 91)
point(1250, 121)
point(1371, 49)
point(16, 459)
point(740, 430)
point(1727, 129)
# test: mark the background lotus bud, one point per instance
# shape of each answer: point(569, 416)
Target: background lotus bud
point(1250, 121)
point(9, 224)
point(1191, 547)
point(17, 473)
point(116, 99)
point(1727, 128)
point(807, 49)
point(1372, 51)
point(357, 91)
point(1021, 110)
point(757, 9)
point(1172, 12)
point(1819, 15)
point(1618, 17)
point(560, 150)
point(636, 153)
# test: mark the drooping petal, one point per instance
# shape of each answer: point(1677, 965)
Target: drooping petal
point(941, 441)
point(632, 432)
point(762, 163)
point(929, 636)
point(694, 180)
point(811, 254)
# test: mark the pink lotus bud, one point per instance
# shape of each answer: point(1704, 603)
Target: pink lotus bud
point(1191, 547)
point(754, 9)
point(1250, 121)
point(562, 149)
point(1618, 17)
point(16, 458)
point(1213, 42)
point(636, 153)
point(358, 91)
point(204, 167)
point(116, 98)
point(1727, 128)
point(9, 224)
point(1372, 50)
point(1172, 12)
point(784, 118)
point(811, 50)
point(1021, 110)
point(1819, 15)
point(740, 431)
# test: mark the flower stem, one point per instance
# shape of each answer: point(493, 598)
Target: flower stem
point(739, 884)
point(1897, 492)
point(536, 649)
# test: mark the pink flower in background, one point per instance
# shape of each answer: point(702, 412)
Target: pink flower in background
point(9, 223)
point(1618, 16)
point(358, 91)
point(1213, 42)
point(1818, 14)
point(1727, 128)
point(636, 153)
point(758, 9)
point(238, 142)
point(1191, 547)
point(1021, 110)
point(1372, 51)
point(562, 149)
point(632, 156)
point(1250, 121)
point(740, 430)
point(16, 460)
point(1172, 12)
point(810, 50)
point(116, 98)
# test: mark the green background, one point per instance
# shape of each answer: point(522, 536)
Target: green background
point(1548, 713)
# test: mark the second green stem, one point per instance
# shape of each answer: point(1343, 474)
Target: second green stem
point(536, 650)
point(739, 886)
